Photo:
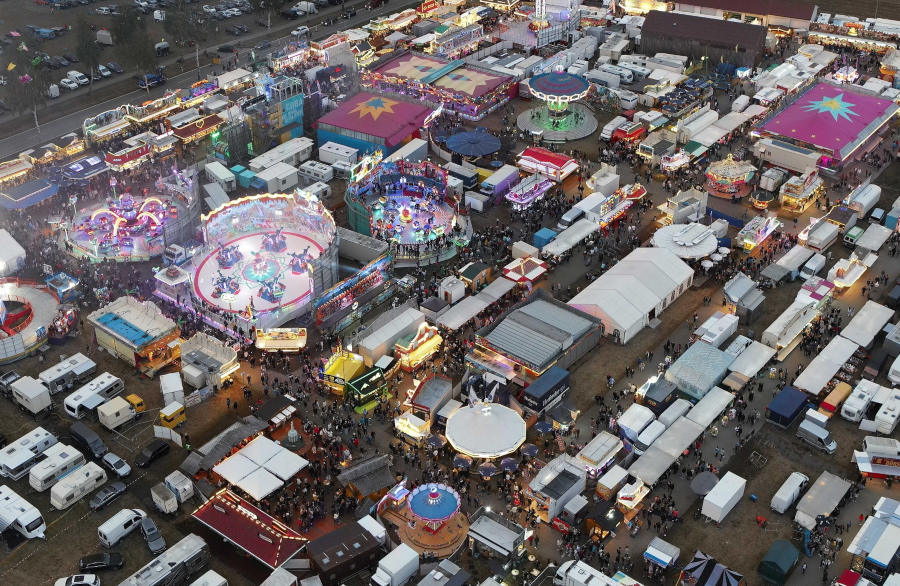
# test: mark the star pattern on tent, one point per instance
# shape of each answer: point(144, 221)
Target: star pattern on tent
point(466, 81)
point(835, 105)
point(413, 68)
point(374, 107)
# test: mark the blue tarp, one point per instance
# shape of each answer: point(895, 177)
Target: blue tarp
point(473, 144)
point(27, 194)
point(543, 237)
point(786, 405)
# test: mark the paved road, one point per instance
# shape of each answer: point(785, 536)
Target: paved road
point(14, 144)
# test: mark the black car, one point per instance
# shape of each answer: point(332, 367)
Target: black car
point(155, 449)
point(262, 45)
point(114, 67)
point(152, 536)
point(108, 560)
point(72, 58)
point(226, 49)
point(243, 28)
point(106, 495)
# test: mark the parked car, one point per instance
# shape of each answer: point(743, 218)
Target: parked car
point(226, 49)
point(106, 495)
point(79, 580)
point(71, 57)
point(155, 449)
point(300, 31)
point(152, 536)
point(96, 562)
point(244, 28)
point(115, 67)
point(263, 45)
point(116, 464)
point(104, 71)
point(78, 77)
point(68, 84)
point(209, 9)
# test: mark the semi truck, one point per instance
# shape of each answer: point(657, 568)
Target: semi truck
point(397, 567)
point(500, 182)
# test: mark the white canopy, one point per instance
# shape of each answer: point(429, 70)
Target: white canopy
point(651, 465)
point(260, 484)
point(260, 450)
point(824, 366)
point(752, 359)
point(496, 289)
point(12, 255)
point(689, 241)
point(286, 464)
point(487, 430)
point(569, 237)
point(455, 317)
point(866, 324)
point(235, 468)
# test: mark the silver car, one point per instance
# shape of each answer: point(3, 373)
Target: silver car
point(152, 536)
point(116, 465)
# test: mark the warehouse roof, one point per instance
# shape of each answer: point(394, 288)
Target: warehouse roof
point(717, 33)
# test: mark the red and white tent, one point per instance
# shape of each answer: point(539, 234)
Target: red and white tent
point(525, 269)
point(554, 165)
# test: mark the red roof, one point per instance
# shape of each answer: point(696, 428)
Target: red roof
point(254, 531)
point(388, 118)
point(760, 7)
point(546, 157)
point(197, 126)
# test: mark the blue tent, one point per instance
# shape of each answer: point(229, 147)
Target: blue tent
point(543, 237)
point(786, 406)
point(473, 144)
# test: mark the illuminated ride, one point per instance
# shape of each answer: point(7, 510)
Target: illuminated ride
point(126, 228)
point(427, 518)
point(560, 117)
point(729, 177)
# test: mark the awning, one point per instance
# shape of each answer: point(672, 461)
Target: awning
point(694, 149)
point(661, 552)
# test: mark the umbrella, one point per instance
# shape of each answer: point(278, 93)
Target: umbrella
point(529, 450)
point(462, 461)
point(488, 469)
point(706, 264)
point(473, 144)
point(704, 482)
point(436, 441)
point(724, 250)
point(716, 257)
point(509, 464)
point(543, 427)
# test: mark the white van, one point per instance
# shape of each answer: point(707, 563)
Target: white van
point(612, 126)
point(78, 77)
point(789, 492)
point(570, 217)
point(816, 436)
point(119, 526)
point(648, 436)
point(813, 266)
point(77, 484)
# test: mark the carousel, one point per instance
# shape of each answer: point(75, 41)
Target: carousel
point(427, 518)
point(729, 178)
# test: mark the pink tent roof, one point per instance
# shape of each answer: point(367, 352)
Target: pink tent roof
point(387, 118)
point(832, 117)
point(457, 77)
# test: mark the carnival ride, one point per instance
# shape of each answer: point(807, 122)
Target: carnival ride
point(560, 117)
point(126, 227)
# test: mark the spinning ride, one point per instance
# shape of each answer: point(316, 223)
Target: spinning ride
point(729, 177)
point(267, 256)
point(124, 228)
point(433, 504)
point(428, 518)
point(561, 117)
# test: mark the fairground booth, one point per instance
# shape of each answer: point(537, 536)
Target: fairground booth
point(369, 122)
point(841, 122)
point(340, 368)
point(470, 91)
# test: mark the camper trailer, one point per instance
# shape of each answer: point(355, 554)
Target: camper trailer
point(95, 393)
point(59, 460)
point(19, 514)
point(77, 484)
point(31, 395)
point(19, 456)
point(68, 373)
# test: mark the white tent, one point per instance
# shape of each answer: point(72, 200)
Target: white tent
point(260, 483)
point(753, 358)
point(825, 365)
point(455, 317)
point(235, 468)
point(260, 450)
point(382, 334)
point(496, 289)
point(651, 465)
point(13, 255)
point(569, 237)
point(681, 434)
point(286, 464)
point(866, 324)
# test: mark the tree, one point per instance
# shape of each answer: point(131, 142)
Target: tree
point(141, 54)
point(28, 82)
point(87, 49)
point(181, 24)
point(125, 24)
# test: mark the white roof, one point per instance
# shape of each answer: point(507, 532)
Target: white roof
point(392, 329)
point(752, 359)
point(825, 365)
point(651, 465)
point(485, 430)
point(260, 483)
point(12, 252)
point(285, 464)
point(603, 447)
point(609, 305)
point(260, 450)
point(689, 241)
point(728, 486)
point(496, 289)
point(681, 434)
point(664, 260)
point(142, 315)
point(459, 314)
point(866, 324)
point(230, 77)
point(235, 468)
point(571, 236)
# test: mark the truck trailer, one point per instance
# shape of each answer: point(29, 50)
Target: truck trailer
point(397, 567)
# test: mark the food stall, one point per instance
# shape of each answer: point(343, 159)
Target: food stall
point(364, 391)
point(412, 429)
point(611, 482)
point(661, 553)
point(412, 351)
point(342, 366)
point(290, 340)
point(528, 191)
point(602, 523)
point(799, 192)
point(757, 231)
